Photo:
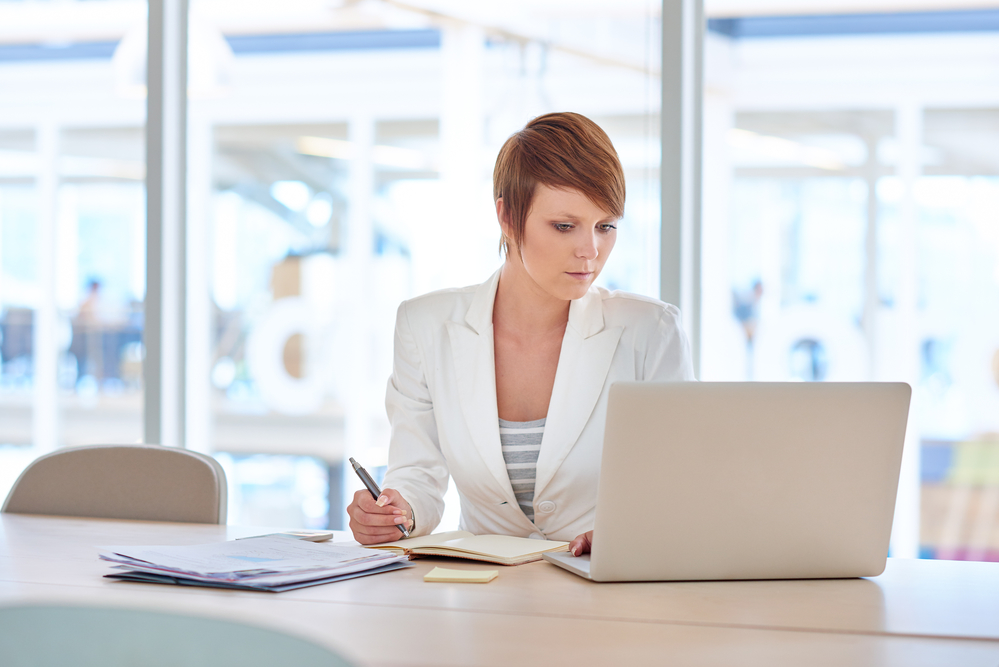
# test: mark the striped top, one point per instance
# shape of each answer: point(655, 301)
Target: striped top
point(521, 444)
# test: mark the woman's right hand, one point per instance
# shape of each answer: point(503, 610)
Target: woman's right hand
point(374, 521)
point(581, 545)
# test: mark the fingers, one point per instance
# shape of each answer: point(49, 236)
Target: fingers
point(373, 535)
point(373, 521)
point(581, 544)
point(391, 497)
point(364, 501)
point(366, 531)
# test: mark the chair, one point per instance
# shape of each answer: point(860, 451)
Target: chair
point(48, 635)
point(144, 482)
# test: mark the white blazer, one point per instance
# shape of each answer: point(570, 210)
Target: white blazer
point(441, 404)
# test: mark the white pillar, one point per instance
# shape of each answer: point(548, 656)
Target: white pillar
point(682, 85)
point(723, 348)
point(872, 298)
point(909, 132)
point(358, 251)
point(164, 334)
point(199, 408)
point(45, 344)
point(462, 129)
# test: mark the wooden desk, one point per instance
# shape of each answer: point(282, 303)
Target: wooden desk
point(917, 613)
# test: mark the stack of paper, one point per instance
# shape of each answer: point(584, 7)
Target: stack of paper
point(271, 563)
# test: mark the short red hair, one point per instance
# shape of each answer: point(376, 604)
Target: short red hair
point(561, 150)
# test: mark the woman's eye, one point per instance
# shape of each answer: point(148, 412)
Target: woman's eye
point(607, 227)
point(563, 226)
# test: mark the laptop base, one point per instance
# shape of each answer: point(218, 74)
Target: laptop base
point(576, 564)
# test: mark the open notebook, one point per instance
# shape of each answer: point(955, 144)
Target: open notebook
point(500, 549)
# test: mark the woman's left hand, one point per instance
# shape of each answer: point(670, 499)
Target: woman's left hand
point(581, 545)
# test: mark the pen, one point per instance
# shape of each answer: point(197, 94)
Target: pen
point(372, 488)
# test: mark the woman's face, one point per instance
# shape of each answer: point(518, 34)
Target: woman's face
point(567, 238)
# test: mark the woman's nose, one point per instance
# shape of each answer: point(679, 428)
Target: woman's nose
point(588, 248)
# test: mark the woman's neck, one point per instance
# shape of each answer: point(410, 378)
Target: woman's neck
point(522, 306)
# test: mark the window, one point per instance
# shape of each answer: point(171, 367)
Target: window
point(72, 230)
point(339, 161)
point(850, 234)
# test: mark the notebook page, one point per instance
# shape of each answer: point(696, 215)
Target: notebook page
point(424, 541)
point(502, 546)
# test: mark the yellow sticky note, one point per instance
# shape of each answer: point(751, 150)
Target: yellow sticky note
point(461, 576)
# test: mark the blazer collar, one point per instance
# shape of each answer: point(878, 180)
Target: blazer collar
point(586, 314)
point(583, 365)
point(480, 313)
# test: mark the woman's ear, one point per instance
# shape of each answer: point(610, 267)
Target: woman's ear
point(504, 222)
point(501, 215)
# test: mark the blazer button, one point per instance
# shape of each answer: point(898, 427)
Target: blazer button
point(546, 506)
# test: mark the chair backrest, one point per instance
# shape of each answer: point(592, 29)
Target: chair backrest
point(144, 482)
point(47, 635)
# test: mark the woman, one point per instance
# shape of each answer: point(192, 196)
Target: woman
point(504, 385)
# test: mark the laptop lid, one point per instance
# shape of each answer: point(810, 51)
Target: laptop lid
point(703, 480)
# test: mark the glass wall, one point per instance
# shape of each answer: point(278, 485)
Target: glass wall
point(958, 390)
point(18, 289)
point(72, 228)
point(347, 166)
point(850, 234)
point(101, 282)
point(339, 161)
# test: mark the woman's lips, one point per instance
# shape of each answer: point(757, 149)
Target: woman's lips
point(582, 275)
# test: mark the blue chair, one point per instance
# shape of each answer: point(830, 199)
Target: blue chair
point(56, 636)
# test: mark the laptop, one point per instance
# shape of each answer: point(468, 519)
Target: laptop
point(745, 480)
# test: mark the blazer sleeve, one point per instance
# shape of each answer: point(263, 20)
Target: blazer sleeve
point(416, 467)
point(668, 357)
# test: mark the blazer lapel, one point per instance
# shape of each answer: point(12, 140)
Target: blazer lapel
point(584, 361)
point(475, 370)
